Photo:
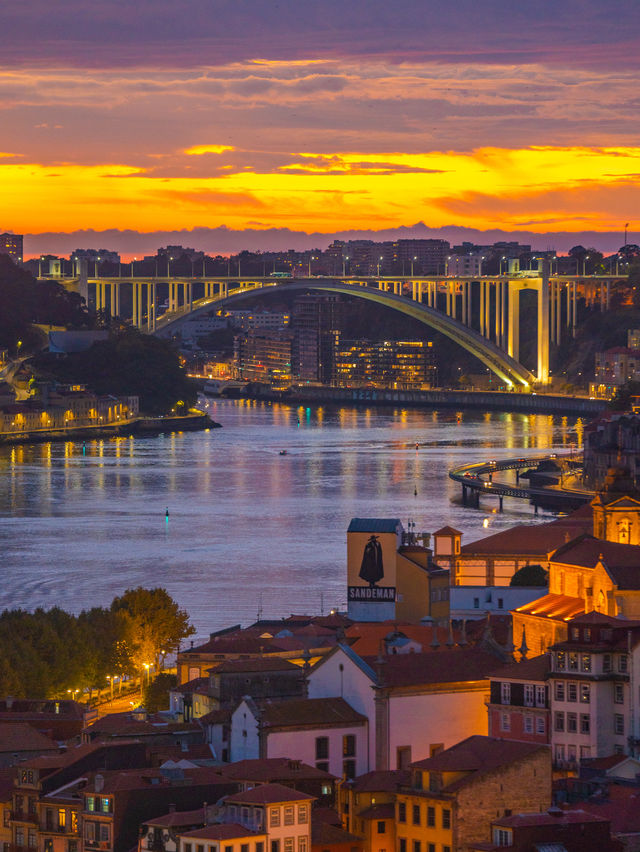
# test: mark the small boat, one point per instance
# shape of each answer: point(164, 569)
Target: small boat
point(283, 452)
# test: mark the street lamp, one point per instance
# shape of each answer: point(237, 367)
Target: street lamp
point(344, 261)
point(412, 262)
point(379, 262)
point(169, 259)
point(584, 264)
point(110, 679)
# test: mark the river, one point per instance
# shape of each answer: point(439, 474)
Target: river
point(249, 530)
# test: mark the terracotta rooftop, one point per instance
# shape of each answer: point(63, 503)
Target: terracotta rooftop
point(134, 779)
point(534, 540)
point(556, 817)
point(220, 831)
point(447, 530)
point(215, 717)
point(177, 818)
point(365, 637)
point(273, 769)
point(380, 781)
point(309, 711)
point(328, 815)
point(535, 669)
point(458, 665)
point(382, 811)
point(621, 560)
point(476, 756)
point(19, 736)
point(559, 607)
point(324, 834)
point(621, 806)
point(260, 664)
point(267, 794)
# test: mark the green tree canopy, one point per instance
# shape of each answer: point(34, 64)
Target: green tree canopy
point(154, 624)
point(530, 575)
point(156, 694)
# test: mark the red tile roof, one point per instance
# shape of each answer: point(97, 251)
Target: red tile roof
point(19, 736)
point(365, 638)
point(559, 607)
point(380, 781)
point(258, 664)
point(273, 769)
point(555, 817)
point(447, 531)
point(535, 669)
point(179, 818)
point(221, 831)
point(382, 811)
point(266, 794)
point(476, 756)
point(532, 539)
point(622, 807)
point(325, 835)
point(621, 560)
point(459, 665)
point(309, 711)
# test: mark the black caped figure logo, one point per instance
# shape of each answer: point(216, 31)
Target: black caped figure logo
point(371, 569)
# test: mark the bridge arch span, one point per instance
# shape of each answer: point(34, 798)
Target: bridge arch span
point(502, 365)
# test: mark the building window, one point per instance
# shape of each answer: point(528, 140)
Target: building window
point(104, 805)
point(528, 724)
point(302, 844)
point(91, 803)
point(349, 745)
point(322, 748)
point(586, 662)
point(288, 815)
point(415, 814)
point(32, 839)
point(431, 847)
point(303, 814)
point(402, 844)
point(618, 693)
point(275, 846)
point(573, 661)
point(505, 693)
point(431, 817)
point(402, 812)
point(572, 691)
point(541, 696)
point(618, 724)
point(585, 693)
point(585, 723)
point(244, 847)
point(560, 753)
point(416, 846)
point(502, 837)
point(561, 661)
point(540, 726)
point(104, 832)
point(382, 827)
point(558, 721)
point(476, 603)
point(505, 722)
point(529, 694)
point(606, 663)
point(274, 817)
point(622, 663)
point(446, 818)
point(289, 844)
point(349, 769)
point(572, 723)
point(558, 690)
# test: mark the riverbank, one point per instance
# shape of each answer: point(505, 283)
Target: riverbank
point(484, 400)
point(195, 420)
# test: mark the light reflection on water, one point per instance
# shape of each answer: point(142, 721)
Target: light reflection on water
point(248, 527)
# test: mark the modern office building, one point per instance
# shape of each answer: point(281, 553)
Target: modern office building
point(401, 364)
point(11, 244)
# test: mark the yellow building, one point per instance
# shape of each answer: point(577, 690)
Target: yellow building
point(391, 575)
point(455, 793)
point(367, 807)
point(598, 572)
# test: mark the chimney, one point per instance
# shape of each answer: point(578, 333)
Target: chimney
point(98, 783)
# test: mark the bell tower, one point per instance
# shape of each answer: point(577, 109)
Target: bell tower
point(616, 508)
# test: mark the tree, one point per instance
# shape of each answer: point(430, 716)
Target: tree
point(154, 624)
point(156, 694)
point(530, 575)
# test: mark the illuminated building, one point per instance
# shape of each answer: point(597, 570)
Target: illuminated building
point(317, 322)
point(456, 793)
point(264, 356)
point(398, 364)
point(11, 244)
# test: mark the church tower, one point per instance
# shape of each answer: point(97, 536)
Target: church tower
point(616, 509)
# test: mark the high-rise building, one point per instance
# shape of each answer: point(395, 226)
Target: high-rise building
point(317, 322)
point(11, 244)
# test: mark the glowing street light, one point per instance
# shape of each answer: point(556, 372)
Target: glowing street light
point(379, 262)
point(413, 259)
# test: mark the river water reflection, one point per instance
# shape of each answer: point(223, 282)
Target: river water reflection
point(249, 529)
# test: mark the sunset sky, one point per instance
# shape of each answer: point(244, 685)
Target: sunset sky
point(319, 117)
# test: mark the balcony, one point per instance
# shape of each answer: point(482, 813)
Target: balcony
point(30, 817)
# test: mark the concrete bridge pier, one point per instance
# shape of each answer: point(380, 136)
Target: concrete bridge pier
point(513, 321)
point(543, 323)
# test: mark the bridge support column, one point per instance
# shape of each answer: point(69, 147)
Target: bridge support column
point(513, 323)
point(608, 294)
point(151, 306)
point(574, 308)
point(543, 324)
point(482, 298)
point(469, 290)
point(134, 308)
point(487, 309)
point(558, 312)
point(189, 294)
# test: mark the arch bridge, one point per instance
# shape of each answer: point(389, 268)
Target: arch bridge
point(443, 303)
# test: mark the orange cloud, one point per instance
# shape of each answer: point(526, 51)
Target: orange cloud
point(485, 188)
point(198, 150)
